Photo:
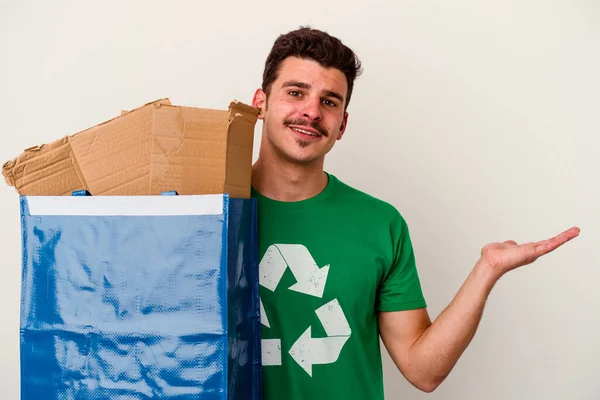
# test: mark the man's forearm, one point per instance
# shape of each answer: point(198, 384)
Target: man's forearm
point(426, 352)
point(438, 349)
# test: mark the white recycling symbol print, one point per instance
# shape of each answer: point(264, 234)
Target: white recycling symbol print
point(310, 279)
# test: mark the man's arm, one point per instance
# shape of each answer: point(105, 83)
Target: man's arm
point(426, 352)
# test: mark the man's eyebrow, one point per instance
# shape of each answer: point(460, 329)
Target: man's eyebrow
point(299, 84)
point(303, 85)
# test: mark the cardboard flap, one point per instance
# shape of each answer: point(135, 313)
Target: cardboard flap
point(114, 157)
point(152, 149)
point(239, 149)
point(188, 150)
point(244, 111)
point(49, 169)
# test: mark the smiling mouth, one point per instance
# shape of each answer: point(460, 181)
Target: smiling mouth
point(305, 132)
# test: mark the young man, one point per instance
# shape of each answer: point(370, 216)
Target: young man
point(337, 267)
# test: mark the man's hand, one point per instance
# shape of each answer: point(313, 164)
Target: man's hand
point(426, 352)
point(506, 256)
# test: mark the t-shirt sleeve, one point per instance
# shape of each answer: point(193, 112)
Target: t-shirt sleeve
point(401, 288)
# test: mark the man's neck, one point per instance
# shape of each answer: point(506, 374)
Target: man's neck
point(286, 181)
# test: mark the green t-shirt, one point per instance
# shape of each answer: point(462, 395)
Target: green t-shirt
point(328, 264)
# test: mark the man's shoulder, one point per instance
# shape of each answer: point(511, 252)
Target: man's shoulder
point(365, 201)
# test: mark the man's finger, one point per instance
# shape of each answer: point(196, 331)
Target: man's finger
point(510, 242)
point(548, 245)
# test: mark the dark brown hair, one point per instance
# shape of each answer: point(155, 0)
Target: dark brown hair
point(316, 45)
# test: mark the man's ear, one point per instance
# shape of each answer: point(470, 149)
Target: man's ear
point(343, 126)
point(260, 101)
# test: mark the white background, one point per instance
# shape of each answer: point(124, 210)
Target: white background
point(479, 120)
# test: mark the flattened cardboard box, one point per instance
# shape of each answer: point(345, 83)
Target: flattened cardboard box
point(156, 148)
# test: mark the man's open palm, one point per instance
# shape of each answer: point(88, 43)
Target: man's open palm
point(506, 256)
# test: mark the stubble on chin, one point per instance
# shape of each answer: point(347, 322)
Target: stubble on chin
point(302, 143)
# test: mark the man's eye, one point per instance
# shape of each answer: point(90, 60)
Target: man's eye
point(295, 93)
point(329, 103)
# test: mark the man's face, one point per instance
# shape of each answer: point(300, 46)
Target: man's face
point(304, 113)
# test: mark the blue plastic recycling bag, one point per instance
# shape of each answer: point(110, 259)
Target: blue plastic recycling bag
point(139, 297)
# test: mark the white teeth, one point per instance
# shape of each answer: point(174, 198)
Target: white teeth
point(305, 132)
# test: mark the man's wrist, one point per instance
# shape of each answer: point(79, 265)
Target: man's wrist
point(484, 273)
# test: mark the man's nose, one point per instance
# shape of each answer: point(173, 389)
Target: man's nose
point(312, 109)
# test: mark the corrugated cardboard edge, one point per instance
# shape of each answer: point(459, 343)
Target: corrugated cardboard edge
point(160, 102)
point(20, 163)
point(241, 112)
